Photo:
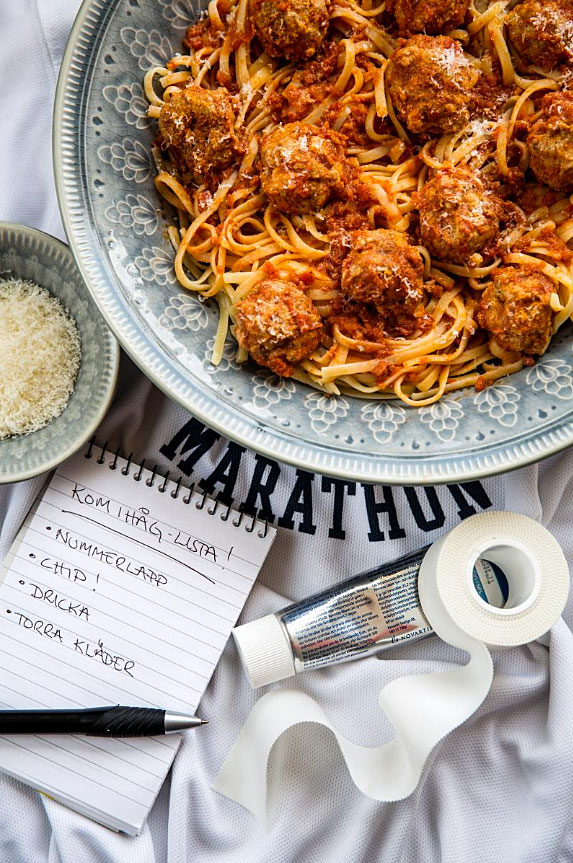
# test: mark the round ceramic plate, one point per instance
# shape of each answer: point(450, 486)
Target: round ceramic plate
point(37, 257)
point(116, 228)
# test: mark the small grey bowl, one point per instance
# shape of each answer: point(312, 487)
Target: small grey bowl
point(37, 257)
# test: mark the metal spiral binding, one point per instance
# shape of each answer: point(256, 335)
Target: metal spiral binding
point(101, 459)
point(216, 503)
point(113, 465)
point(191, 490)
point(125, 470)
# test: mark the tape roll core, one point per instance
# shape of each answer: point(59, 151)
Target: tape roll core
point(520, 569)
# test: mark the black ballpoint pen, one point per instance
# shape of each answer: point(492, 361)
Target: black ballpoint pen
point(98, 721)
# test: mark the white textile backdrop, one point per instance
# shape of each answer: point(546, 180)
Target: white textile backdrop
point(500, 787)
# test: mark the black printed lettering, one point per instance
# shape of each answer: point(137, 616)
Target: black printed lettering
point(225, 473)
point(262, 487)
point(374, 508)
point(193, 438)
point(476, 491)
point(425, 524)
point(340, 487)
point(300, 500)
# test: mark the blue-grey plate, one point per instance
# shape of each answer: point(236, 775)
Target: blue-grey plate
point(36, 257)
point(116, 228)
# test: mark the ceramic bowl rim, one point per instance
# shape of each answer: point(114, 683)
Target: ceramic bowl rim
point(71, 448)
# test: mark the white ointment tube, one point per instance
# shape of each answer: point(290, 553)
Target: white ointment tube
point(367, 614)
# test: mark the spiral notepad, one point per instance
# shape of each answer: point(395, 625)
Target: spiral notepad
point(122, 587)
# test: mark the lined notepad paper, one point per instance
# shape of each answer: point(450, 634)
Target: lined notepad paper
point(121, 588)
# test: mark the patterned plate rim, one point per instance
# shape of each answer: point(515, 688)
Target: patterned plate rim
point(69, 169)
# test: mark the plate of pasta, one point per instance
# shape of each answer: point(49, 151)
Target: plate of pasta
point(337, 231)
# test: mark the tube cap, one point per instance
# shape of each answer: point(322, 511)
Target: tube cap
point(265, 651)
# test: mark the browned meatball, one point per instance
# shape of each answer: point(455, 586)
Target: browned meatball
point(428, 16)
point(550, 142)
point(515, 309)
point(302, 167)
point(383, 269)
point(200, 125)
point(292, 29)
point(278, 325)
point(457, 216)
point(541, 32)
point(430, 81)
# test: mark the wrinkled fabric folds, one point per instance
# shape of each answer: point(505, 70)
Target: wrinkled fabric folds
point(499, 787)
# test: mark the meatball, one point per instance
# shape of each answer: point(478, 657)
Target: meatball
point(278, 325)
point(457, 216)
point(550, 142)
point(428, 16)
point(515, 309)
point(292, 29)
point(541, 32)
point(302, 167)
point(430, 81)
point(199, 123)
point(383, 269)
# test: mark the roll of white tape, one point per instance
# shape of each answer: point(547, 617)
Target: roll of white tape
point(532, 562)
point(424, 708)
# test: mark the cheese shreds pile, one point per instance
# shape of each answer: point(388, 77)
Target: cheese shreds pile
point(40, 354)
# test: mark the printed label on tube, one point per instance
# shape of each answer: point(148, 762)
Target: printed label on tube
point(372, 612)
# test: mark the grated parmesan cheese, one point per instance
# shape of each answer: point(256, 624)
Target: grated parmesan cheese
point(40, 353)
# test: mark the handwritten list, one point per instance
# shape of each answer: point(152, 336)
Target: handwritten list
point(121, 588)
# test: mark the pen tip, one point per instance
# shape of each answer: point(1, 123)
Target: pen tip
point(204, 722)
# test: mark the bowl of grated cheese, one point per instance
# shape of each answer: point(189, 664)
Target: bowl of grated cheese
point(58, 359)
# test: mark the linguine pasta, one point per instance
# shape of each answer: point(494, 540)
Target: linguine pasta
point(228, 237)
